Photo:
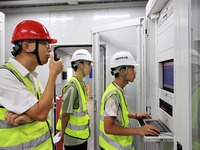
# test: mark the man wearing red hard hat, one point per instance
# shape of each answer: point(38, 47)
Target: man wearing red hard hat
point(24, 105)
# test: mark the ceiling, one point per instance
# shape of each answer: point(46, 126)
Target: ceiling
point(13, 4)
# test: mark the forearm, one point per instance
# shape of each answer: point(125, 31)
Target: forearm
point(122, 131)
point(64, 120)
point(111, 128)
point(132, 115)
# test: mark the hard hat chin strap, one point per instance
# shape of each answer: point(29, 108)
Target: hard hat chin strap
point(35, 52)
point(83, 69)
point(124, 76)
point(80, 68)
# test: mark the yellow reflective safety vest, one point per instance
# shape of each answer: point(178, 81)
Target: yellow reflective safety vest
point(35, 135)
point(115, 142)
point(196, 117)
point(78, 124)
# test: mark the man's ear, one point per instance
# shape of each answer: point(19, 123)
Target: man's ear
point(122, 70)
point(80, 65)
point(26, 47)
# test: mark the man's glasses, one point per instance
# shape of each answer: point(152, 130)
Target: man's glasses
point(89, 63)
point(43, 43)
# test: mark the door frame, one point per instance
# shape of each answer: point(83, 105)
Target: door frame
point(96, 53)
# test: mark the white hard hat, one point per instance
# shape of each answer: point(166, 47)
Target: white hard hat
point(81, 54)
point(122, 58)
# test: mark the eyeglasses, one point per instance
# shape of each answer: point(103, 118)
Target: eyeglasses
point(89, 63)
point(43, 43)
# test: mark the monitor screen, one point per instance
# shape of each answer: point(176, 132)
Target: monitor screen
point(168, 76)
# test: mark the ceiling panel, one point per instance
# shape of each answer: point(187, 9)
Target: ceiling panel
point(4, 4)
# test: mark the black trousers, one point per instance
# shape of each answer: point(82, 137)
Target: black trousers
point(77, 147)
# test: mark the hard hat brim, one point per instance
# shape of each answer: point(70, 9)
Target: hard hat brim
point(53, 41)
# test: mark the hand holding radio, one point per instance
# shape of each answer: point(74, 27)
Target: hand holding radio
point(55, 67)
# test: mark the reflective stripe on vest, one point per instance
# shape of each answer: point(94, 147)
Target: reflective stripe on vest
point(77, 114)
point(35, 135)
point(78, 124)
point(29, 145)
point(75, 127)
point(115, 142)
point(13, 72)
point(4, 125)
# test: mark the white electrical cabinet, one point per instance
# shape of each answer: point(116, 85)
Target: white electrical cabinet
point(168, 77)
point(160, 49)
point(2, 38)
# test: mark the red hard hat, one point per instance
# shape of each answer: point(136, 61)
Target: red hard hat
point(29, 29)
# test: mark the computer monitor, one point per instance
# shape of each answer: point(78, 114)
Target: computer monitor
point(168, 76)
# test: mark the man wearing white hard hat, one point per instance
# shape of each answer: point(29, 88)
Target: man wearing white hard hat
point(115, 130)
point(74, 123)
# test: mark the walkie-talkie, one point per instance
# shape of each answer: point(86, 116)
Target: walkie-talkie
point(55, 57)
